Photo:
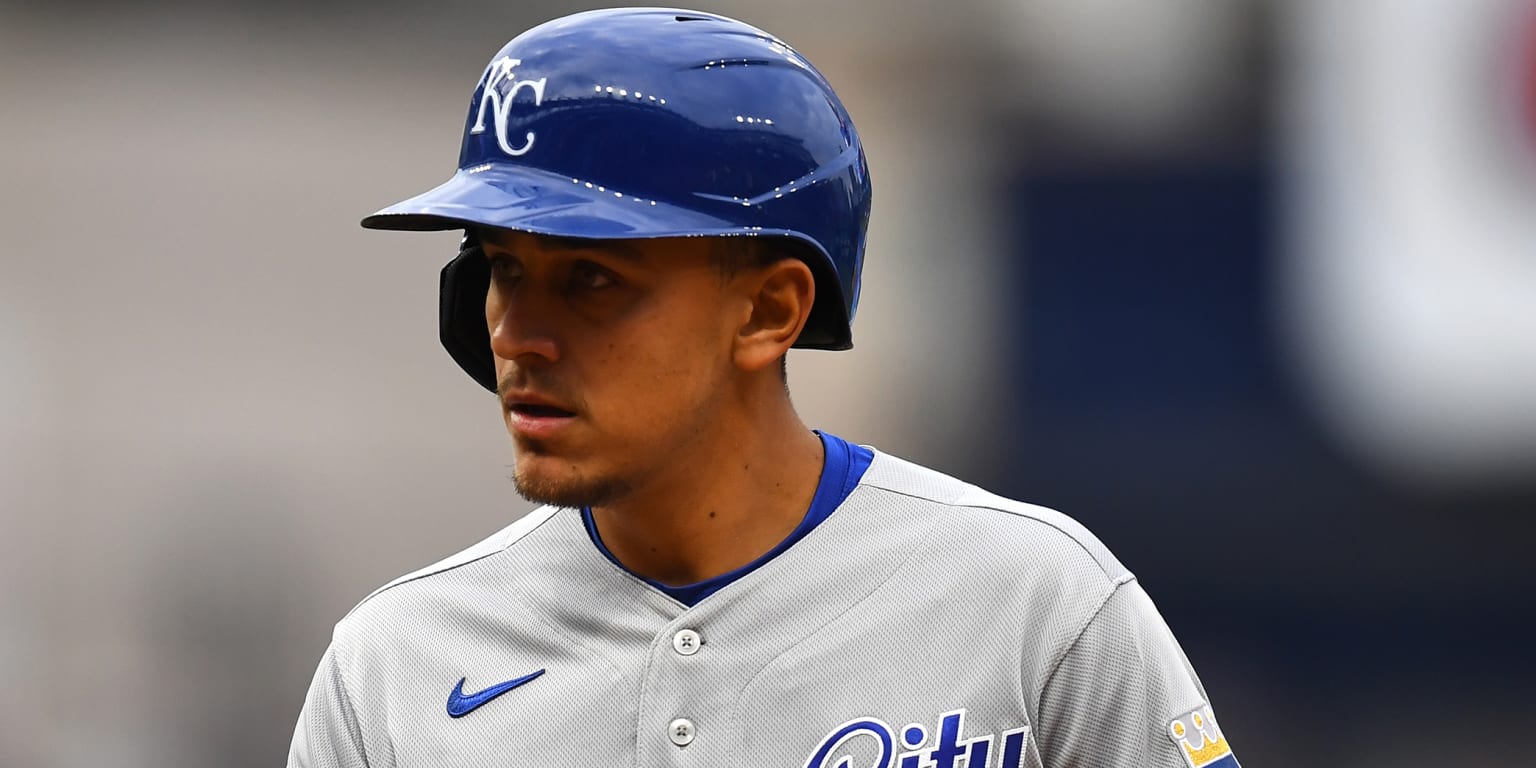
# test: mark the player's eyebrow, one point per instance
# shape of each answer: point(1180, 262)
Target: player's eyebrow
point(617, 248)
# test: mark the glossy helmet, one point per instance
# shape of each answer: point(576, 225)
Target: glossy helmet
point(649, 122)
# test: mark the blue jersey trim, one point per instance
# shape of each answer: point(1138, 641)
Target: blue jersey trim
point(842, 467)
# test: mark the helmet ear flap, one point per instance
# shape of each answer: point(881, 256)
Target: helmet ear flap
point(461, 312)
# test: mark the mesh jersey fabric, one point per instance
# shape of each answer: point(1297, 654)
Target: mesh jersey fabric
point(922, 598)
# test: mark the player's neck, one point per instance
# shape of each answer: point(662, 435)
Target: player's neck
point(739, 491)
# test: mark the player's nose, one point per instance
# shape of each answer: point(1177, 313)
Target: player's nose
point(522, 325)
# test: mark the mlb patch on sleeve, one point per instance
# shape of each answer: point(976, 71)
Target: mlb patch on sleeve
point(1199, 738)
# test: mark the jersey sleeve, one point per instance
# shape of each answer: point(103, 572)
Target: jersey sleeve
point(328, 735)
point(1125, 695)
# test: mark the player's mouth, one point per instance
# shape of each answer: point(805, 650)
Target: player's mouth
point(536, 417)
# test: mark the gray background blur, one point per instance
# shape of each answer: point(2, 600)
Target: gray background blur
point(1248, 287)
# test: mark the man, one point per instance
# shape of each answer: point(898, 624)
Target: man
point(658, 205)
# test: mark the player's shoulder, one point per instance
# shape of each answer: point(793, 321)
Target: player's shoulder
point(1007, 527)
point(458, 576)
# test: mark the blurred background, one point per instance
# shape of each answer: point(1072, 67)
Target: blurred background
point(1247, 287)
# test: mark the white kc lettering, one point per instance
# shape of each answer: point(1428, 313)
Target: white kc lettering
point(497, 75)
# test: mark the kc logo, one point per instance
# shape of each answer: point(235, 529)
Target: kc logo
point(948, 750)
point(501, 87)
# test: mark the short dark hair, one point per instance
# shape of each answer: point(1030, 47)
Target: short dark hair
point(734, 254)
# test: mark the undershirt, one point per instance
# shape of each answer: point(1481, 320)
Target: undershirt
point(842, 467)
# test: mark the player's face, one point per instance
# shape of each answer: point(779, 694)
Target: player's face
point(610, 356)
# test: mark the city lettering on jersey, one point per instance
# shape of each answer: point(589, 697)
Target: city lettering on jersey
point(501, 87)
point(945, 749)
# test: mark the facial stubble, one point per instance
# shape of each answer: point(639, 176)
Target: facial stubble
point(573, 490)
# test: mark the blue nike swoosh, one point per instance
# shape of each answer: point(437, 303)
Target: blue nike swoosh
point(460, 705)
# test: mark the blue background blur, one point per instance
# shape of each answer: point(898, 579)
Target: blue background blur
point(1248, 288)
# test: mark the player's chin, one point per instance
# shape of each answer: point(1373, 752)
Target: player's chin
point(562, 483)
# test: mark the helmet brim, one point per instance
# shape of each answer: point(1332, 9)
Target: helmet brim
point(530, 200)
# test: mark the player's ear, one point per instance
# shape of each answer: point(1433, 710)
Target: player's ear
point(780, 297)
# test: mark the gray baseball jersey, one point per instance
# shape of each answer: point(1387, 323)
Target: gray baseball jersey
point(926, 624)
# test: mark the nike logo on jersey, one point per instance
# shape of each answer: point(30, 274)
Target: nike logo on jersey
point(946, 750)
point(460, 705)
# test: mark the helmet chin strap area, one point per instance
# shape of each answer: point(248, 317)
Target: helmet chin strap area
point(461, 312)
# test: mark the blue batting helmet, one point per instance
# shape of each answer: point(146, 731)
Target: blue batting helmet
point(648, 122)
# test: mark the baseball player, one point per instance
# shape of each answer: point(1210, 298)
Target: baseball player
point(657, 205)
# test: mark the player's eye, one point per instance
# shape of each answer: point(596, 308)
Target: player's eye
point(503, 266)
point(590, 276)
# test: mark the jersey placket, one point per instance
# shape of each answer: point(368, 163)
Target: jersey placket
point(684, 707)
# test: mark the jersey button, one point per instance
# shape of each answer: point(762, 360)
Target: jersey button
point(681, 731)
point(686, 642)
